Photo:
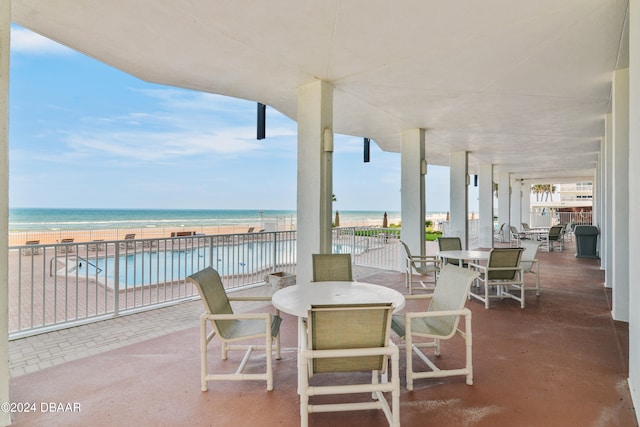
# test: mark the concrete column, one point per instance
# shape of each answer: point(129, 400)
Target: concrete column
point(504, 204)
point(315, 182)
point(608, 200)
point(5, 31)
point(459, 196)
point(485, 205)
point(620, 229)
point(634, 200)
point(597, 203)
point(516, 204)
point(525, 215)
point(412, 200)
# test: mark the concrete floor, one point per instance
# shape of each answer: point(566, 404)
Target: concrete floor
point(562, 361)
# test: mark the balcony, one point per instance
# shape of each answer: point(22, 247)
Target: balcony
point(562, 361)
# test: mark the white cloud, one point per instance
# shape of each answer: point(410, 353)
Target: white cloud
point(25, 41)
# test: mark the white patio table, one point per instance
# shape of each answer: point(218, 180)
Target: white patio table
point(296, 300)
point(465, 255)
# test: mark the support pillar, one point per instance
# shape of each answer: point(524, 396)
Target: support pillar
point(620, 231)
point(634, 201)
point(485, 206)
point(5, 31)
point(315, 174)
point(459, 196)
point(412, 204)
point(525, 214)
point(516, 204)
point(504, 204)
point(608, 201)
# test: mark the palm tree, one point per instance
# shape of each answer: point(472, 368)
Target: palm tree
point(549, 189)
point(537, 190)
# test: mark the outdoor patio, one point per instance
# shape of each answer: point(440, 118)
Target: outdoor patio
point(562, 361)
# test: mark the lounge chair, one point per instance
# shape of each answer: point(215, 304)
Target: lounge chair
point(97, 245)
point(349, 338)
point(439, 322)
point(332, 267)
point(130, 241)
point(31, 251)
point(502, 272)
point(232, 328)
point(65, 247)
point(422, 265)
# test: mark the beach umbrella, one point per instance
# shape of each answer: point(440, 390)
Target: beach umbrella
point(385, 221)
point(337, 222)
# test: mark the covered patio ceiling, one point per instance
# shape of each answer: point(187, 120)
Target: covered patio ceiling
point(522, 85)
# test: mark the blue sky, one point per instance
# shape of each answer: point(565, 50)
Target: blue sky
point(85, 135)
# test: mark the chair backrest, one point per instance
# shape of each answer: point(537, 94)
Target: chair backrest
point(525, 226)
point(555, 232)
point(504, 258)
point(349, 327)
point(406, 249)
point(214, 298)
point(332, 267)
point(449, 244)
point(528, 255)
point(514, 231)
point(450, 294)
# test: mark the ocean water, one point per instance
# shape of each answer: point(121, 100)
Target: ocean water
point(27, 219)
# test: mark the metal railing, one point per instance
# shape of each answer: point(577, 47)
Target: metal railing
point(370, 246)
point(52, 286)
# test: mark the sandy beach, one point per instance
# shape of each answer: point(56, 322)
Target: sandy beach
point(88, 235)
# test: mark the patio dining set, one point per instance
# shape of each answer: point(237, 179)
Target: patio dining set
point(346, 326)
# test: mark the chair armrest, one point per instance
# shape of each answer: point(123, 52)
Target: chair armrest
point(239, 316)
point(423, 258)
point(418, 296)
point(387, 350)
point(461, 312)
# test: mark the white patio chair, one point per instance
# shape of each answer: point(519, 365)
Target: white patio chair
point(232, 328)
point(530, 264)
point(439, 322)
point(332, 267)
point(420, 264)
point(451, 244)
point(502, 272)
point(349, 338)
point(555, 237)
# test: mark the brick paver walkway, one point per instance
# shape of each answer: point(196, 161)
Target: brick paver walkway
point(38, 352)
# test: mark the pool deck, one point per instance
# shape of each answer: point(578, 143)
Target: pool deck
point(562, 361)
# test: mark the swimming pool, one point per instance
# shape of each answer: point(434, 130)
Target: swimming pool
point(164, 266)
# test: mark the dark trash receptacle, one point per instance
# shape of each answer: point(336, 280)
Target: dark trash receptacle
point(586, 241)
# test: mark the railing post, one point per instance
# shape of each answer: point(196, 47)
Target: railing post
point(211, 253)
point(116, 279)
point(274, 253)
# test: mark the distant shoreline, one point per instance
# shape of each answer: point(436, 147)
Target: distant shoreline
point(39, 219)
point(84, 231)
